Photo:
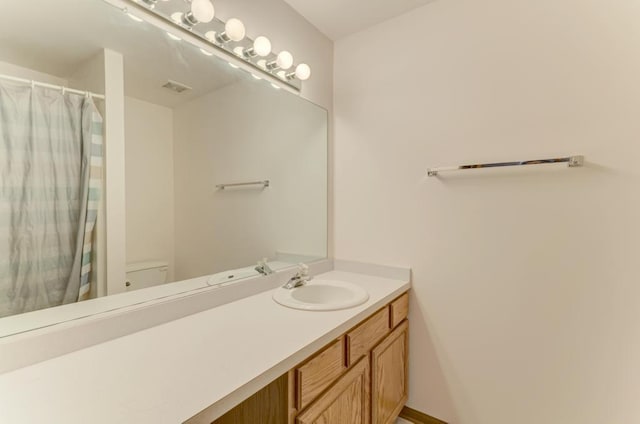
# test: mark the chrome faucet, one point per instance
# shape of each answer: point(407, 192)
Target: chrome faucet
point(263, 268)
point(301, 278)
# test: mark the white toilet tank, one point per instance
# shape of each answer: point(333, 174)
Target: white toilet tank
point(141, 275)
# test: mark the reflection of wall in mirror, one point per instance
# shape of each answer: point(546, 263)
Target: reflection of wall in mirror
point(149, 183)
point(248, 132)
point(21, 72)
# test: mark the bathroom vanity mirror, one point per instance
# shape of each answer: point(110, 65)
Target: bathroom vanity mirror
point(222, 168)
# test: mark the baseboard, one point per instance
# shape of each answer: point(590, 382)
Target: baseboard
point(418, 417)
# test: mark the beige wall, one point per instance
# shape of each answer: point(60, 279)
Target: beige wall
point(12, 70)
point(149, 189)
point(526, 306)
point(248, 132)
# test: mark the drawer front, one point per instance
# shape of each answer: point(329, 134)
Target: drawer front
point(320, 372)
point(399, 310)
point(363, 338)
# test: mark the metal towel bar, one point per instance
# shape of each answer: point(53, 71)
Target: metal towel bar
point(572, 161)
point(264, 184)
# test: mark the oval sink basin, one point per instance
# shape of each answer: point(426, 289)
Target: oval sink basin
point(322, 295)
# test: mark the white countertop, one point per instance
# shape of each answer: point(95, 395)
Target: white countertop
point(166, 374)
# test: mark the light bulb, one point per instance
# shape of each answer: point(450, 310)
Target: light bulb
point(262, 46)
point(303, 72)
point(234, 29)
point(210, 35)
point(284, 60)
point(202, 10)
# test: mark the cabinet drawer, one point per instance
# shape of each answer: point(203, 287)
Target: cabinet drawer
point(319, 373)
point(364, 337)
point(399, 310)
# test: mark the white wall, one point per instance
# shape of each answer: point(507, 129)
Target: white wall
point(248, 132)
point(12, 70)
point(526, 306)
point(90, 76)
point(149, 189)
point(114, 173)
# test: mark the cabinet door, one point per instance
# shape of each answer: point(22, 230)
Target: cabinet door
point(389, 389)
point(347, 401)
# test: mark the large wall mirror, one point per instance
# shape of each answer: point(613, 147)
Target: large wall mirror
point(191, 122)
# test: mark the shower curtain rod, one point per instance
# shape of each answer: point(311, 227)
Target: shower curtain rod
point(52, 86)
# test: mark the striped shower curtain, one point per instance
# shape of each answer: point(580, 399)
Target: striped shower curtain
point(51, 170)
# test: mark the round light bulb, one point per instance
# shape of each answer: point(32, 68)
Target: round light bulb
point(262, 46)
point(202, 10)
point(284, 60)
point(303, 72)
point(210, 35)
point(234, 28)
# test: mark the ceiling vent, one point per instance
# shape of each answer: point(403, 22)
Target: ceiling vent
point(176, 87)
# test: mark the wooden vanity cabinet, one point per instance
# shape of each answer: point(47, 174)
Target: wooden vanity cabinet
point(347, 401)
point(318, 373)
point(365, 336)
point(359, 378)
point(389, 376)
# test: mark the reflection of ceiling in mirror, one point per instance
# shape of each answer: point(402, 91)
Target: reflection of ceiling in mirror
point(61, 35)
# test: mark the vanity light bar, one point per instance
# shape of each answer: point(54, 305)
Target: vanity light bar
point(259, 55)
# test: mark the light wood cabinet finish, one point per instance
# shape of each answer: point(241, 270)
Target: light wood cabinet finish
point(317, 374)
point(268, 406)
point(389, 376)
point(364, 337)
point(399, 310)
point(348, 401)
